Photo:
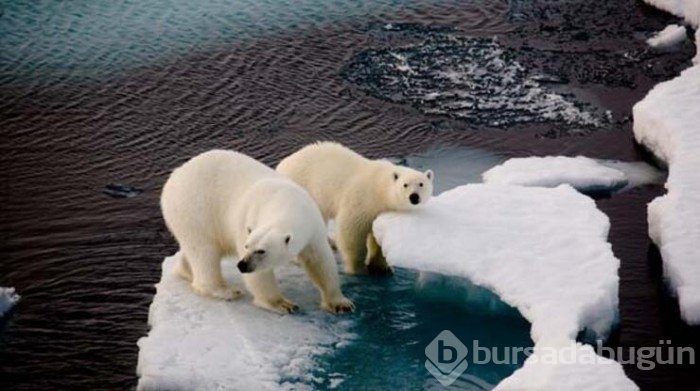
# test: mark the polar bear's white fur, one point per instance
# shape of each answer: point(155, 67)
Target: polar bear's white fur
point(225, 203)
point(354, 190)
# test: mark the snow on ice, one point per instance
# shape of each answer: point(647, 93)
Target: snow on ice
point(666, 122)
point(542, 250)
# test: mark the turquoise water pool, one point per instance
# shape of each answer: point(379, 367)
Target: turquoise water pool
point(400, 316)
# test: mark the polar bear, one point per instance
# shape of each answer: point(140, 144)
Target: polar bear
point(225, 203)
point(354, 190)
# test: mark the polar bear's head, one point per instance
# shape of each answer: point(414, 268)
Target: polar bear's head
point(411, 188)
point(264, 249)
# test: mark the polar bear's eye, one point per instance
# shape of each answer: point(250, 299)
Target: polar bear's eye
point(420, 184)
point(260, 252)
point(405, 185)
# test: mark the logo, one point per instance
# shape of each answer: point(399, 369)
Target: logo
point(446, 358)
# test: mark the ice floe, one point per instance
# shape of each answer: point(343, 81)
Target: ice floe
point(672, 35)
point(8, 299)
point(587, 175)
point(197, 343)
point(542, 250)
point(582, 173)
point(666, 122)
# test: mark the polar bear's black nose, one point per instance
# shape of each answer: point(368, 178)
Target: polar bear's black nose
point(243, 266)
point(415, 198)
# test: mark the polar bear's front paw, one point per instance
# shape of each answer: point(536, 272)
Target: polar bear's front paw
point(341, 305)
point(222, 292)
point(280, 305)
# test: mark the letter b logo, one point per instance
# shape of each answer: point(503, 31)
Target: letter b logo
point(442, 357)
point(446, 358)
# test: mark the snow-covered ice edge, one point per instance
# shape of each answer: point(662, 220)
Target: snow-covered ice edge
point(544, 251)
point(8, 299)
point(667, 122)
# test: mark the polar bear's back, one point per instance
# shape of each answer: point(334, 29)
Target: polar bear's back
point(196, 193)
point(324, 169)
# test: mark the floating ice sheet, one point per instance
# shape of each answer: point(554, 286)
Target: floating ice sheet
point(543, 251)
point(550, 171)
point(197, 343)
point(585, 174)
point(666, 121)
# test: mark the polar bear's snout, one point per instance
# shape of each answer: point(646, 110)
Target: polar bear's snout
point(415, 198)
point(251, 261)
point(243, 266)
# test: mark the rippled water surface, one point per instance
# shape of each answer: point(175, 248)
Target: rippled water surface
point(100, 100)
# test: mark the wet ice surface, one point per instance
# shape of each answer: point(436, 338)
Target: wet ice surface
point(198, 343)
point(205, 344)
point(474, 79)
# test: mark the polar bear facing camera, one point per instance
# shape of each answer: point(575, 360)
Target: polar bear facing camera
point(354, 190)
point(225, 203)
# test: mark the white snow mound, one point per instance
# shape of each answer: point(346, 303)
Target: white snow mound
point(8, 299)
point(580, 172)
point(198, 343)
point(667, 122)
point(670, 36)
point(543, 251)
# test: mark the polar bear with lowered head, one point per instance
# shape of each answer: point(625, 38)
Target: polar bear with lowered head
point(225, 203)
point(354, 190)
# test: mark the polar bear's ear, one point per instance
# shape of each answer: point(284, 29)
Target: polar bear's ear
point(287, 238)
point(249, 230)
point(429, 174)
point(396, 177)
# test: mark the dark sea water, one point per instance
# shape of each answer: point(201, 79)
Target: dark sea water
point(99, 101)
